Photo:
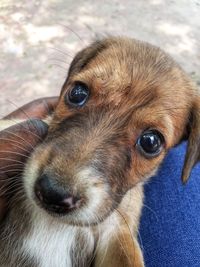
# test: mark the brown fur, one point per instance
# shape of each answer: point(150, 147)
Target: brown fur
point(133, 86)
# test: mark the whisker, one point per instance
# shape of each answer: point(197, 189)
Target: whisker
point(15, 121)
point(13, 141)
point(10, 179)
point(59, 60)
point(48, 111)
point(12, 160)
point(59, 50)
point(7, 131)
point(140, 240)
point(13, 153)
point(154, 213)
point(25, 128)
point(57, 65)
point(28, 117)
point(129, 229)
point(9, 192)
point(75, 33)
point(132, 238)
point(9, 166)
point(14, 187)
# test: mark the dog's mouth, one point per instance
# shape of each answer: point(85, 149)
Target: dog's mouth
point(78, 214)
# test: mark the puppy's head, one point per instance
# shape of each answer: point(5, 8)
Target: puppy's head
point(123, 105)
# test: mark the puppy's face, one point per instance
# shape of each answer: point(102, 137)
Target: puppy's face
point(123, 106)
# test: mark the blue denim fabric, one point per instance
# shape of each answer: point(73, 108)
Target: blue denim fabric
point(170, 225)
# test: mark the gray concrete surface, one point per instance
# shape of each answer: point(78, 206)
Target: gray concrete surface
point(39, 38)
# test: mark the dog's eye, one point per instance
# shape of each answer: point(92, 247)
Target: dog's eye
point(78, 95)
point(150, 143)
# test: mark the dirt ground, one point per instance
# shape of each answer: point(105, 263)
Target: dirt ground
point(39, 38)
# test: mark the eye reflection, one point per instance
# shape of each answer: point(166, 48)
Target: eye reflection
point(150, 143)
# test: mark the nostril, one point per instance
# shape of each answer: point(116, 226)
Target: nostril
point(38, 194)
point(72, 202)
point(47, 191)
point(54, 197)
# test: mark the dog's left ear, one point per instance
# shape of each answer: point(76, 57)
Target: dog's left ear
point(193, 136)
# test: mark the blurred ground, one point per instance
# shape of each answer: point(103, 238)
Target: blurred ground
point(39, 38)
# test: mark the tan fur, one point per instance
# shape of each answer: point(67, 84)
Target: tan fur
point(118, 245)
point(133, 86)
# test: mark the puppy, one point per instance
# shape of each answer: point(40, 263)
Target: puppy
point(124, 104)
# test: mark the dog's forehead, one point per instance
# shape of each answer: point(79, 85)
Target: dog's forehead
point(125, 72)
point(122, 66)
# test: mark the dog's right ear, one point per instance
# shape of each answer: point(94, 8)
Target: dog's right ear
point(193, 136)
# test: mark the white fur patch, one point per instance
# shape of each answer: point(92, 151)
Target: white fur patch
point(51, 242)
point(96, 195)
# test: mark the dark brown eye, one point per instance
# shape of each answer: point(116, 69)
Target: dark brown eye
point(150, 143)
point(78, 95)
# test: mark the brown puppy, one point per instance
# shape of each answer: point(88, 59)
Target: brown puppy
point(124, 104)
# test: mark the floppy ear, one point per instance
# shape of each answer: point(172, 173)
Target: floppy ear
point(193, 148)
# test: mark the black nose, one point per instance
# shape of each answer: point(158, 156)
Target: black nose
point(54, 197)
